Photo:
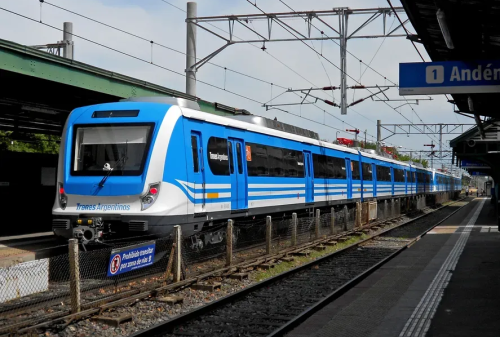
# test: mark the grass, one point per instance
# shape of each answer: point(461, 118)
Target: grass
point(282, 266)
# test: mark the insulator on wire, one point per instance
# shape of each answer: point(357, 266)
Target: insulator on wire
point(356, 102)
point(330, 103)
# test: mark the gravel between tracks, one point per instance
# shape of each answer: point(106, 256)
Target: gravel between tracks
point(147, 313)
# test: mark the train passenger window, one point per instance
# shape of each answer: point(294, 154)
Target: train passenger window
point(294, 163)
point(329, 167)
point(240, 161)
point(383, 173)
point(320, 166)
point(230, 152)
point(194, 150)
point(257, 165)
point(275, 161)
point(338, 166)
point(217, 154)
point(414, 177)
point(399, 175)
point(355, 170)
point(367, 172)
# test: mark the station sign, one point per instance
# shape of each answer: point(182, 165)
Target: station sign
point(475, 173)
point(451, 77)
point(130, 258)
point(474, 164)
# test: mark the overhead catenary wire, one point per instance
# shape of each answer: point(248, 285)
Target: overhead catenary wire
point(172, 49)
point(130, 55)
point(291, 69)
point(157, 65)
point(331, 39)
point(156, 43)
point(183, 53)
point(298, 74)
point(167, 69)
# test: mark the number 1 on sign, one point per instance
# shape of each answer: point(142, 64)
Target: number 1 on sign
point(434, 74)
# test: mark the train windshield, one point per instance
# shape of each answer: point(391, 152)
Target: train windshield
point(121, 149)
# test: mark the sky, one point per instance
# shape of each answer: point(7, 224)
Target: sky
point(281, 66)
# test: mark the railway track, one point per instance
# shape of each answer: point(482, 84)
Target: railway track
point(150, 291)
point(276, 305)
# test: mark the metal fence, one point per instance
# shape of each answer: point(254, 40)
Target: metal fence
point(80, 279)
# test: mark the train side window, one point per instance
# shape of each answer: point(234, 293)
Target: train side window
point(355, 170)
point(320, 166)
point(367, 172)
point(337, 168)
point(217, 154)
point(293, 161)
point(275, 161)
point(399, 175)
point(383, 173)
point(257, 165)
point(194, 150)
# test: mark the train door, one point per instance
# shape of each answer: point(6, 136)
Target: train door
point(198, 173)
point(374, 177)
point(237, 170)
point(348, 173)
point(309, 176)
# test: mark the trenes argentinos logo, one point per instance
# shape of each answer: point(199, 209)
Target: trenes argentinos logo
point(102, 207)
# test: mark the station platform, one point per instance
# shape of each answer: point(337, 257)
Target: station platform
point(446, 284)
point(23, 248)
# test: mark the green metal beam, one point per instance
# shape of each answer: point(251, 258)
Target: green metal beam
point(32, 62)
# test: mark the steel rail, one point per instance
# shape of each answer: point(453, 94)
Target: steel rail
point(168, 326)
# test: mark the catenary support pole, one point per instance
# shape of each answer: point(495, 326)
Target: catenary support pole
point(68, 40)
point(191, 49)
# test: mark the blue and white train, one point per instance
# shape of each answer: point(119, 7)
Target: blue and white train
point(147, 164)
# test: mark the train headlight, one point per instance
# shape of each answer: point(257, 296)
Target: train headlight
point(63, 199)
point(150, 197)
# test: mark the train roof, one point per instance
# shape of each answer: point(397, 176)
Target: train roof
point(266, 126)
point(259, 128)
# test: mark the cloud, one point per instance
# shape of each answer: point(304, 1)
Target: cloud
point(164, 24)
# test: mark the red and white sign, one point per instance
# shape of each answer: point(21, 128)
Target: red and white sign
point(114, 266)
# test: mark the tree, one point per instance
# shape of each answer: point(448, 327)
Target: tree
point(29, 142)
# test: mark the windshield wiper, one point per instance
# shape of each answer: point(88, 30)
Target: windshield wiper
point(120, 162)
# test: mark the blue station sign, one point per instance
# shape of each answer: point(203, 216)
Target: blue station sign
point(452, 77)
point(473, 164)
point(130, 258)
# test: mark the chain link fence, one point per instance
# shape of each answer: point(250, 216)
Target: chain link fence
point(53, 282)
point(46, 286)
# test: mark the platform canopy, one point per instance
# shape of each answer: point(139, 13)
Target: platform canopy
point(471, 33)
point(38, 89)
point(474, 30)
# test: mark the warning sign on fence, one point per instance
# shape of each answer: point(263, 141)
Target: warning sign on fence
point(130, 258)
